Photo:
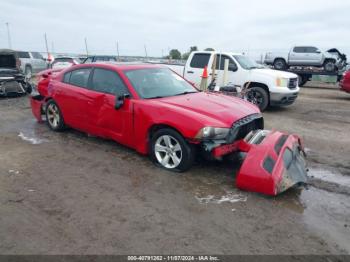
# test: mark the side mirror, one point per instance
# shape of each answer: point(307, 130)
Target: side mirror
point(232, 67)
point(119, 100)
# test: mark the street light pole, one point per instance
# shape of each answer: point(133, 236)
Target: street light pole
point(8, 35)
point(86, 47)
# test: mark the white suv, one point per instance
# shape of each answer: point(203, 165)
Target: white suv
point(31, 62)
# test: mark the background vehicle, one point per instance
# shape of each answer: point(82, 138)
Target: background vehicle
point(270, 87)
point(64, 62)
point(31, 62)
point(100, 58)
point(345, 82)
point(12, 80)
point(331, 60)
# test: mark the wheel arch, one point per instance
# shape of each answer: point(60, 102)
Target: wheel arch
point(258, 84)
point(279, 58)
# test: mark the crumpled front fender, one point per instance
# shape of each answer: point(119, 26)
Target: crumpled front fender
point(274, 162)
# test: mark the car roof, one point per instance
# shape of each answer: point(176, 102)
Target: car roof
point(122, 65)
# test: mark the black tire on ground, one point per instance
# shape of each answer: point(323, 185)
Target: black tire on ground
point(54, 116)
point(258, 96)
point(28, 72)
point(169, 150)
point(329, 66)
point(302, 80)
point(29, 88)
point(280, 64)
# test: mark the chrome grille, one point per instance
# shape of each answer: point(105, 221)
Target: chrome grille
point(293, 83)
point(243, 126)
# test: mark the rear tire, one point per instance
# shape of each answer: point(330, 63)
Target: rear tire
point(280, 64)
point(302, 81)
point(169, 150)
point(258, 96)
point(54, 116)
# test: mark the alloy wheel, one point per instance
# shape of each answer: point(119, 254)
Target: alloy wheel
point(53, 115)
point(168, 151)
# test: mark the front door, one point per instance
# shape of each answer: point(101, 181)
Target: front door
point(103, 118)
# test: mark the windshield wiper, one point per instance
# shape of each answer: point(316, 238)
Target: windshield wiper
point(185, 93)
point(154, 97)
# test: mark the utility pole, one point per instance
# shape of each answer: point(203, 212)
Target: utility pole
point(47, 47)
point(146, 51)
point(8, 35)
point(86, 47)
point(117, 49)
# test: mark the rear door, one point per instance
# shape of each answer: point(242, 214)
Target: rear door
point(72, 96)
point(298, 56)
point(103, 118)
point(195, 66)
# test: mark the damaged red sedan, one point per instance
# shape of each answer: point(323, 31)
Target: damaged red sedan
point(153, 110)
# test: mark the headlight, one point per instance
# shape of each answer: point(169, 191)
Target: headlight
point(282, 82)
point(209, 132)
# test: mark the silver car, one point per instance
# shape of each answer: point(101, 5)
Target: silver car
point(31, 62)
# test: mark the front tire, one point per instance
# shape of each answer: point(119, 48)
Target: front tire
point(329, 66)
point(54, 116)
point(169, 150)
point(258, 96)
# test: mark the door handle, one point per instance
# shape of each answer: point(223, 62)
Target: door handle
point(190, 72)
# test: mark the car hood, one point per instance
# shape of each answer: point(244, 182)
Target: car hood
point(274, 73)
point(210, 108)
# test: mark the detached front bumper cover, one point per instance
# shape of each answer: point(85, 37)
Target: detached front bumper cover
point(274, 162)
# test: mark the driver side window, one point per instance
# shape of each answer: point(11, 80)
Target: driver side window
point(221, 61)
point(107, 81)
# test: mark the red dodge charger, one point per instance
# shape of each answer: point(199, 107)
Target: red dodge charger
point(155, 111)
point(146, 107)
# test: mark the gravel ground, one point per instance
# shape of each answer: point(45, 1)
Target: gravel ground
point(70, 193)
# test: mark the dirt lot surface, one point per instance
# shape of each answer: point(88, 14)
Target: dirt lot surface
point(70, 193)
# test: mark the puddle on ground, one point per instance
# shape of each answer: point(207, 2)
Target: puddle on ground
point(229, 197)
point(31, 138)
point(329, 176)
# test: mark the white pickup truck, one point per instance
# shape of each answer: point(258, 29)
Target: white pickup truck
point(270, 87)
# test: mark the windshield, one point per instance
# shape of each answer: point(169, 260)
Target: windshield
point(158, 82)
point(246, 62)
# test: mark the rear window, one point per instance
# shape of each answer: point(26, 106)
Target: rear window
point(66, 77)
point(23, 55)
point(200, 60)
point(80, 77)
point(57, 60)
point(37, 55)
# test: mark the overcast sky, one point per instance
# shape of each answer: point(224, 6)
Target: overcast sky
point(251, 25)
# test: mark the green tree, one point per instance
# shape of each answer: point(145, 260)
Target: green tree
point(193, 48)
point(209, 49)
point(175, 54)
point(187, 54)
